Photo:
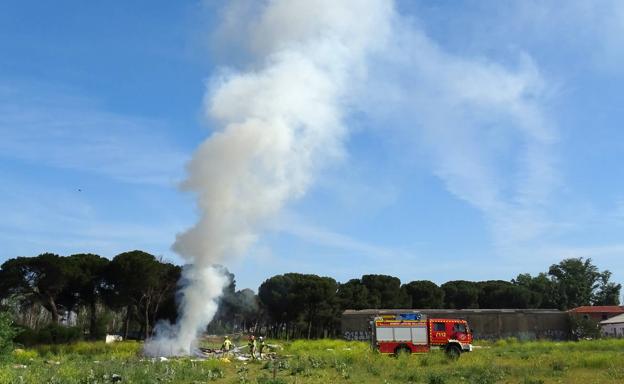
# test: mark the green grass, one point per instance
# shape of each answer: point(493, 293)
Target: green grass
point(326, 361)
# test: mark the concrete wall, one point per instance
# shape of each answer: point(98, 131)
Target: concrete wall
point(613, 330)
point(492, 324)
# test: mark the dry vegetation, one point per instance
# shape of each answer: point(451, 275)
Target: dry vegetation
point(325, 361)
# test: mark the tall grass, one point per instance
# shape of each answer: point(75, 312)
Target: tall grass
point(326, 361)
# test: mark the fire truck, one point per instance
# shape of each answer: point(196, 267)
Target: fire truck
point(415, 333)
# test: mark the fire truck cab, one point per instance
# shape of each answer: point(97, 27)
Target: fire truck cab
point(414, 333)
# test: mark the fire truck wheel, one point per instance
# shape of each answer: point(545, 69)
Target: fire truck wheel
point(453, 351)
point(402, 350)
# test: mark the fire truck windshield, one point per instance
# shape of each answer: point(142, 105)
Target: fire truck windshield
point(459, 328)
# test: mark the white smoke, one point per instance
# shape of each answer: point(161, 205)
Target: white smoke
point(483, 124)
point(277, 124)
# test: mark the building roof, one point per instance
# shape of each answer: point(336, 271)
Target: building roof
point(598, 309)
point(467, 311)
point(614, 320)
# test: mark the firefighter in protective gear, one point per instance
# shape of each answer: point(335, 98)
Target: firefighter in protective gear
point(227, 345)
point(262, 346)
point(252, 346)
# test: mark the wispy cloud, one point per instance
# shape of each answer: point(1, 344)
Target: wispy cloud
point(585, 33)
point(57, 128)
point(482, 124)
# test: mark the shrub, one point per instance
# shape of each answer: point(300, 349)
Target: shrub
point(22, 356)
point(26, 337)
point(101, 325)
point(50, 334)
point(583, 328)
point(7, 333)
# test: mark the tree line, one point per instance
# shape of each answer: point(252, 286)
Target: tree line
point(134, 287)
point(129, 293)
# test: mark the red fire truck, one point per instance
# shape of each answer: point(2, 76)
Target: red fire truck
point(414, 333)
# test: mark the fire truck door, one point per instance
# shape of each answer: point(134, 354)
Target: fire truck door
point(438, 333)
point(460, 332)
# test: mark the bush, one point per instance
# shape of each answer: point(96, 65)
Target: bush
point(97, 349)
point(50, 334)
point(7, 333)
point(583, 328)
point(23, 356)
point(101, 324)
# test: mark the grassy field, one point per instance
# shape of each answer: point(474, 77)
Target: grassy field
point(325, 361)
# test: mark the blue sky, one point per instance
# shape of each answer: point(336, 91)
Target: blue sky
point(486, 142)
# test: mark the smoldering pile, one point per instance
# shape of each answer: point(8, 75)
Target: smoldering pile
point(236, 353)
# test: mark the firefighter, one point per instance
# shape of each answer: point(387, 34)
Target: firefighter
point(227, 345)
point(252, 346)
point(262, 345)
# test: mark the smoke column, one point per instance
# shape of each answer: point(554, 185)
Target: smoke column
point(277, 123)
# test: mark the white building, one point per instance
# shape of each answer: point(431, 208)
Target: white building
point(613, 327)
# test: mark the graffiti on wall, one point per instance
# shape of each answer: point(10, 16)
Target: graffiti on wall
point(554, 334)
point(549, 334)
point(357, 335)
